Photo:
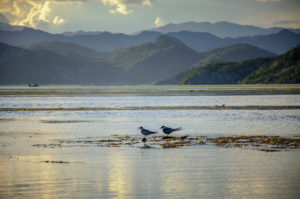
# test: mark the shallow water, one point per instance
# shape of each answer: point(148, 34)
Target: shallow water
point(204, 171)
point(125, 101)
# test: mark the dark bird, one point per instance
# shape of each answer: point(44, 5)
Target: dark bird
point(146, 132)
point(167, 130)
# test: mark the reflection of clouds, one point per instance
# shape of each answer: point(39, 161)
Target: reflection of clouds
point(120, 175)
point(27, 176)
point(243, 173)
point(182, 177)
point(252, 174)
point(193, 172)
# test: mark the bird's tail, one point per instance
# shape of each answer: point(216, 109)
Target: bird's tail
point(178, 129)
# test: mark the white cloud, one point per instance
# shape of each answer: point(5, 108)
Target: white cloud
point(36, 13)
point(121, 6)
point(159, 22)
point(58, 20)
point(44, 12)
point(31, 13)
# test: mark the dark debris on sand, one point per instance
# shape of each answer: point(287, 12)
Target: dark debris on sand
point(261, 143)
point(55, 162)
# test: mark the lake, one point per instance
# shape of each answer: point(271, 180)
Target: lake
point(91, 171)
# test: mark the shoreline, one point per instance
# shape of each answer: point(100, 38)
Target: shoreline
point(73, 90)
point(146, 108)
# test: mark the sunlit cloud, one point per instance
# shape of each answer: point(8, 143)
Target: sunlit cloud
point(44, 11)
point(58, 20)
point(159, 22)
point(31, 13)
point(122, 6)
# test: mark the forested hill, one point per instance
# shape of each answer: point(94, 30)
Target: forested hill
point(280, 69)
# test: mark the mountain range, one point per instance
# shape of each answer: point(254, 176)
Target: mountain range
point(220, 29)
point(64, 48)
point(278, 42)
point(104, 41)
point(8, 27)
point(30, 55)
point(154, 61)
point(142, 64)
point(22, 66)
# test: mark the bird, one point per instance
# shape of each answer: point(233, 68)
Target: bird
point(146, 132)
point(168, 130)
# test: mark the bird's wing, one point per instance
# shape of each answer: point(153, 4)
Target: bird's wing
point(146, 131)
point(168, 130)
point(149, 132)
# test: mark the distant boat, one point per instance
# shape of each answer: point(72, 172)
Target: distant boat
point(33, 84)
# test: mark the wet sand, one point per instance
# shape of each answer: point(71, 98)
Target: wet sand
point(152, 90)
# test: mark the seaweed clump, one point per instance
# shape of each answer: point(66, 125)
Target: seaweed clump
point(55, 162)
point(259, 142)
point(262, 143)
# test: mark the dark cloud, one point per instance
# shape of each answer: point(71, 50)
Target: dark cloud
point(3, 19)
point(287, 23)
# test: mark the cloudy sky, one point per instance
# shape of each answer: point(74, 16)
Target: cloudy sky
point(133, 15)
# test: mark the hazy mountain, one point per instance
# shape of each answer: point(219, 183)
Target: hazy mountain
point(280, 69)
point(151, 62)
point(200, 41)
point(81, 33)
point(277, 43)
point(107, 41)
point(56, 62)
point(26, 36)
point(145, 63)
point(63, 48)
point(21, 66)
point(104, 41)
point(234, 53)
point(8, 27)
point(221, 29)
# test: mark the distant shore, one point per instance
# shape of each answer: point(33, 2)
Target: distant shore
point(214, 107)
point(269, 89)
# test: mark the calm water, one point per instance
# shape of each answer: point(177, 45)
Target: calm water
point(203, 171)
